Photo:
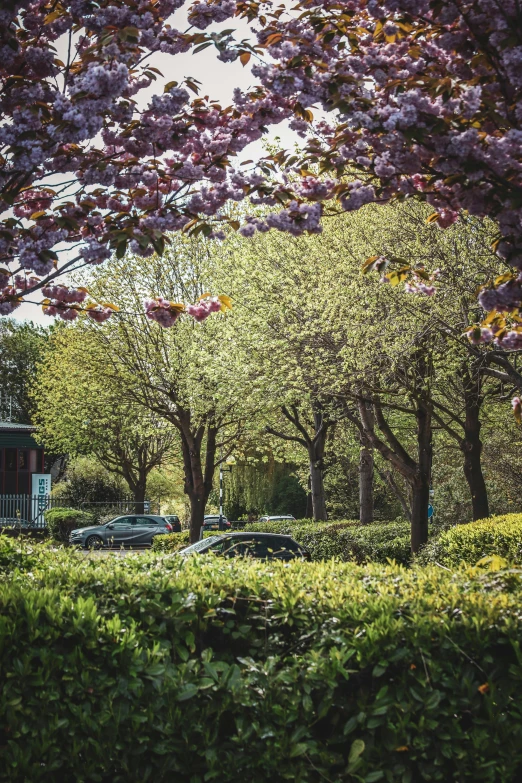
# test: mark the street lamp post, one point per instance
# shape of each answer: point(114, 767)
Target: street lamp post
point(230, 461)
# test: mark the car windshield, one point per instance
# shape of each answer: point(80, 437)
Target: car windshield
point(172, 519)
point(200, 546)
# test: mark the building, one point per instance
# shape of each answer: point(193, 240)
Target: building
point(20, 457)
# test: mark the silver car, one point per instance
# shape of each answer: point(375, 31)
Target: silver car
point(130, 530)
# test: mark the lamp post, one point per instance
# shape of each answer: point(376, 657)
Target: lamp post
point(229, 461)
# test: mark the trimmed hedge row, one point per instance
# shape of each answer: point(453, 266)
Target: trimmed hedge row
point(500, 535)
point(174, 542)
point(61, 521)
point(171, 542)
point(215, 670)
point(347, 540)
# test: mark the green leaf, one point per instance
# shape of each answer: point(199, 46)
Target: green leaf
point(356, 750)
point(187, 692)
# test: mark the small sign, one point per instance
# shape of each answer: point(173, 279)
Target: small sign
point(146, 506)
point(41, 489)
point(430, 511)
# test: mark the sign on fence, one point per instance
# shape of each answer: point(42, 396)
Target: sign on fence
point(41, 488)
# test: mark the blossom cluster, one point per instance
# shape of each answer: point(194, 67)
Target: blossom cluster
point(424, 99)
point(126, 175)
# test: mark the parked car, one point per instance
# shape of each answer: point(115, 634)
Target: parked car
point(288, 518)
point(211, 522)
point(265, 546)
point(130, 530)
point(15, 522)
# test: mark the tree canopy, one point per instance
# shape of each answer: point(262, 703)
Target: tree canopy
point(424, 100)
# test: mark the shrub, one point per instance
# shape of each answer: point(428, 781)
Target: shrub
point(60, 522)
point(174, 542)
point(494, 536)
point(214, 670)
point(171, 542)
point(347, 540)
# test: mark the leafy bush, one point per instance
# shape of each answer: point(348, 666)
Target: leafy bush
point(174, 542)
point(171, 542)
point(86, 480)
point(60, 522)
point(214, 670)
point(347, 540)
point(494, 536)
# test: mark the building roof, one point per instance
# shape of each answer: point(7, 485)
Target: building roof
point(10, 426)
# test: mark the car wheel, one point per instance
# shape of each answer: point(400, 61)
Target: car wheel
point(94, 542)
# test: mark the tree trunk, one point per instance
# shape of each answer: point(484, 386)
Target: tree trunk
point(471, 446)
point(309, 513)
point(472, 449)
point(316, 456)
point(317, 486)
point(421, 484)
point(139, 496)
point(365, 483)
point(197, 515)
point(419, 513)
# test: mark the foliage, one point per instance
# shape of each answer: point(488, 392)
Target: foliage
point(263, 485)
point(81, 409)
point(470, 543)
point(346, 540)
point(450, 138)
point(85, 480)
point(282, 672)
point(86, 127)
point(22, 346)
point(398, 134)
point(176, 380)
point(171, 542)
point(61, 521)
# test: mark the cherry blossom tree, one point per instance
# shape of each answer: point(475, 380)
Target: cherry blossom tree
point(84, 171)
point(423, 96)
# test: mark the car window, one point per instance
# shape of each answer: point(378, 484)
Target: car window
point(172, 519)
point(144, 521)
point(219, 547)
point(205, 543)
point(283, 545)
point(122, 522)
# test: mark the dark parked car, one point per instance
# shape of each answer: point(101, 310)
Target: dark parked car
point(211, 522)
point(130, 530)
point(266, 546)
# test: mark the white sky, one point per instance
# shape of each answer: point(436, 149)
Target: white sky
point(218, 80)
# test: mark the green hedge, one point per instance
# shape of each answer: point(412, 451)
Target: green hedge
point(500, 535)
point(211, 670)
point(347, 540)
point(61, 521)
point(171, 542)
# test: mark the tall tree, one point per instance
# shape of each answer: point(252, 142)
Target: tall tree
point(22, 346)
point(180, 376)
point(80, 411)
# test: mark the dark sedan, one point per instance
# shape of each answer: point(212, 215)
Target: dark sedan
point(265, 546)
point(211, 522)
point(130, 530)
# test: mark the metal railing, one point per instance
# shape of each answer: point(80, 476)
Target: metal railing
point(25, 511)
